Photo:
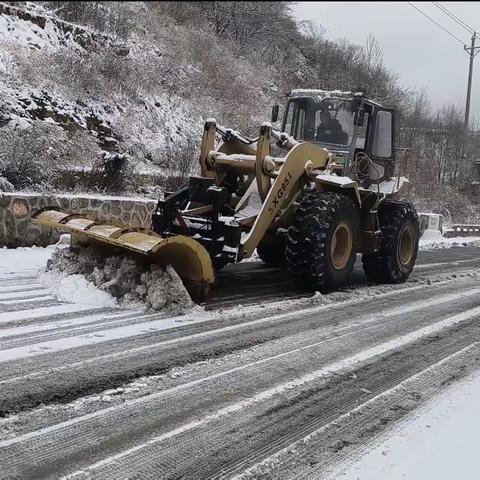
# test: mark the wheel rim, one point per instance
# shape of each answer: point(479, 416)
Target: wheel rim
point(341, 246)
point(406, 246)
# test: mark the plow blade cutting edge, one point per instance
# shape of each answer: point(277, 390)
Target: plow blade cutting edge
point(187, 257)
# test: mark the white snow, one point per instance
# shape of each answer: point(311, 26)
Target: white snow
point(164, 290)
point(167, 323)
point(254, 258)
point(28, 300)
point(273, 460)
point(433, 239)
point(24, 260)
point(32, 261)
point(439, 441)
point(14, 294)
point(316, 91)
point(73, 288)
point(27, 34)
point(7, 63)
point(76, 289)
point(13, 287)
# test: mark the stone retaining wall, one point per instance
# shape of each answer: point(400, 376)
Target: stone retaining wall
point(16, 209)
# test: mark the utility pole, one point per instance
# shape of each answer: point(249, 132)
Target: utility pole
point(472, 52)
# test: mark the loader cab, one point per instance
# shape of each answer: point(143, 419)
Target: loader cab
point(319, 120)
point(345, 123)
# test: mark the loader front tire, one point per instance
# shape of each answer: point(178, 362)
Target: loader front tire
point(323, 241)
point(396, 257)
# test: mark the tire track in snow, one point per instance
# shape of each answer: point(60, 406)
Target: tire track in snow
point(49, 313)
point(41, 383)
point(31, 334)
point(148, 452)
point(43, 300)
point(167, 323)
point(442, 264)
point(362, 326)
point(23, 294)
point(343, 364)
point(244, 286)
point(265, 395)
point(421, 378)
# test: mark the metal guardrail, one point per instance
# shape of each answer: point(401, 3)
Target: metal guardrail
point(463, 230)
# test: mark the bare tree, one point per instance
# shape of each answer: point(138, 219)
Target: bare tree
point(372, 55)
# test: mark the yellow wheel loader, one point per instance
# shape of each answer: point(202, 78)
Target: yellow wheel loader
point(307, 198)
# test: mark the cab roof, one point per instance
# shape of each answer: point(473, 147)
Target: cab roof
point(313, 92)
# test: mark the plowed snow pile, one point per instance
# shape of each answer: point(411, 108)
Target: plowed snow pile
point(126, 280)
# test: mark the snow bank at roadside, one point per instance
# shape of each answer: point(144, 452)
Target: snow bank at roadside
point(78, 273)
point(439, 441)
point(433, 239)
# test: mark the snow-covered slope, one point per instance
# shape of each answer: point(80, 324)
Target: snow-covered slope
point(51, 72)
point(145, 94)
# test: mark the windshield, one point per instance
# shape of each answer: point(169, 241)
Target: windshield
point(314, 119)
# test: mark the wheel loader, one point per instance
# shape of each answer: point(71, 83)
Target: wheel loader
point(307, 197)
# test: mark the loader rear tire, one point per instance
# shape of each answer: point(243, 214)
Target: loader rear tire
point(396, 258)
point(271, 250)
point(323, 241)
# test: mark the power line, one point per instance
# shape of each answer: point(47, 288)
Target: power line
point(454, 17)
point(472, 50)
point(436, 23)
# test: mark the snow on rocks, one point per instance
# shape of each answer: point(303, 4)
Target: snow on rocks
point(117, 279)
point(26, 33)
point(8, 66)
point(5, 185)
point(155, 128)
point(32, 26)
point(31, 104)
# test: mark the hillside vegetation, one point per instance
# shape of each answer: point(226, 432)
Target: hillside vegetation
point(109, 90)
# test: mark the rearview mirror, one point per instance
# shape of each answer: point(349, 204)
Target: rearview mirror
point(358, 97)
point(275, 110)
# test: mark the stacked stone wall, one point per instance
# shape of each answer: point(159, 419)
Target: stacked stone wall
point(16, 210)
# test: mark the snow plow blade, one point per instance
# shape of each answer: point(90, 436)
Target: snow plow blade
point(187, 257)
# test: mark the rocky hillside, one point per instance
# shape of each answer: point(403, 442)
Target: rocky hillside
point(87, 91)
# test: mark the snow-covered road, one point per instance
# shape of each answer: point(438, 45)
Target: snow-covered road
point(284, 389)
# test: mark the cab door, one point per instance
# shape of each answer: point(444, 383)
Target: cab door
point(381, 142)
